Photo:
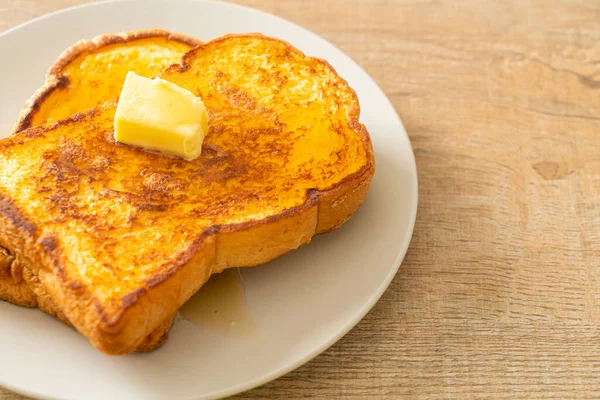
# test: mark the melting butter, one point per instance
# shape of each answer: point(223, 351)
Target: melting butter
point(160, 116)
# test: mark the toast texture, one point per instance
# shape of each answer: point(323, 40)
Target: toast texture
point(119, 238)
point(86, 75)
point(92, 72)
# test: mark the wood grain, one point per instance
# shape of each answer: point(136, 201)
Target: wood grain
point(499, 295)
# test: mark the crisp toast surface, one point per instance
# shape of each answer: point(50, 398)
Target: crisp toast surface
point(92, 72)
point(120, 238)
point(86, 75)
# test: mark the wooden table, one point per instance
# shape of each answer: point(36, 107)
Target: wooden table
point(499, 295)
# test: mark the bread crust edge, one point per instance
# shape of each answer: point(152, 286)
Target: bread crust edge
point(56, 80)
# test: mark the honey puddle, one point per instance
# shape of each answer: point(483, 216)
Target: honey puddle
point(220, 305)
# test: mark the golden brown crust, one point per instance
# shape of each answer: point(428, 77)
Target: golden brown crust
point(56, 80)
point(219, 246)
point(104, 40)
point(21, 286)
point(13, 288)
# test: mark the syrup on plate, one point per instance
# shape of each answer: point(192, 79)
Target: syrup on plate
point(220, 305)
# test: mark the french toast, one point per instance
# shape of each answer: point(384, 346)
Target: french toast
point(91, 72)
point(86, 75)
point(114, 239)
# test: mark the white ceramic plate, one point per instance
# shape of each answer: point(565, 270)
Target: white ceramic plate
point(302, 302)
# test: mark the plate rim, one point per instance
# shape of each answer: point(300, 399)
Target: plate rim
point(376, 295)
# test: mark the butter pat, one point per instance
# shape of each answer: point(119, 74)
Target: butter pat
point(158, 115)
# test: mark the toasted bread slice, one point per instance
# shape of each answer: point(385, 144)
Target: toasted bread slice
point(92, 72)
point(119, 238)
point(86, 75)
